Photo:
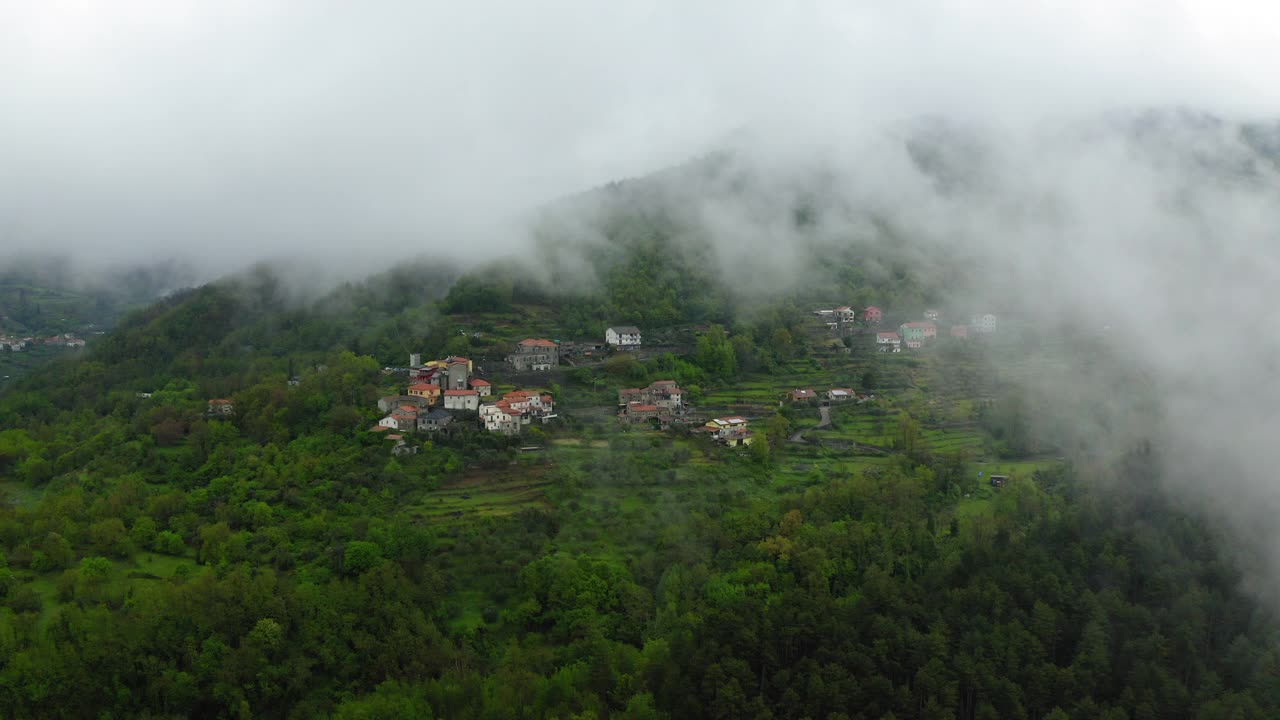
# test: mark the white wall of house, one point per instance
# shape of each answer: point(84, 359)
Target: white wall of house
point(617, 339)
point(470, 401)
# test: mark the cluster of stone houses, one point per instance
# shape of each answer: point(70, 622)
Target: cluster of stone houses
point(516, 410)
point(912, 335)
point(13, 343)
point(915, 335)
point(662, 400)
point(439, 388)
point(845, 315)
point(435, 387)
point(539, 354)
point(451, 373)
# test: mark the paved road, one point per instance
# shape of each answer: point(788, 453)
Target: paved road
point(824, 412)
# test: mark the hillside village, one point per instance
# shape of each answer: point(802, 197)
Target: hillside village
point(450, 394)
point(441, 392)
point(913, 334)
point(14, 343)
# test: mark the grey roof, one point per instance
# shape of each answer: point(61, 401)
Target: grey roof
point(625, 329)
point(437, 415)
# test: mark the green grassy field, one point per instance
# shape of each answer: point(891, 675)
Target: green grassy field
point(142, 568)
point(482, 494)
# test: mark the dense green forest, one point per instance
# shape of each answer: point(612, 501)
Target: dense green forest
point(157, 562)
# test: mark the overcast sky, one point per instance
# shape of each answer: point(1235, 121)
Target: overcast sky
point(232, 130)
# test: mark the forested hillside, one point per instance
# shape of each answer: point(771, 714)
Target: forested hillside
point(46, 301)
point(858, 561)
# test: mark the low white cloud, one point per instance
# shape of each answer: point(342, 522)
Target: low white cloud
point(229, 132)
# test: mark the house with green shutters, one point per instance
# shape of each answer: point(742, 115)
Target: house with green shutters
point(915, 333)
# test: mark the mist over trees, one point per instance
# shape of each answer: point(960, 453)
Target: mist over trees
point(280, 562)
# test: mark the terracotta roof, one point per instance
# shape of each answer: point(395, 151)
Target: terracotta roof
point(423, 387)
point(546, 398)
point(395, 437)
point(890, 334)
point(379, 428)
point(803, 393)
point(220, 401)
point(639, 407)
point(505, 407)
point(873, 307)
point(409, 408)
point(477, 382)
point(537, 342)
point(515, 395)
point(459, 393)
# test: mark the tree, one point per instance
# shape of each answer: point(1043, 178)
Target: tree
point(869, 379)
point(109, 537)
point(391, 700)
point(777, 429)
point(170, 543)
point(360, 555)
point(715, 354)
point(55, 553)
point(908, 437)
point(213, 543)
point(143, 532)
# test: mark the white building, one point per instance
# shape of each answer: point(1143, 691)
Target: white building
point(622, 336)
point(515, 410)
point(500, 417)
point(730, 430)
point(461, 400)
point(984, 323)
point(841, 394)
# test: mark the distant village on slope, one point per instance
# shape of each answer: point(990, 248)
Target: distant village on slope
point(439, 393)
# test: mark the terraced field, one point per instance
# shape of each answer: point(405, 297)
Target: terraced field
point(483, 494)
